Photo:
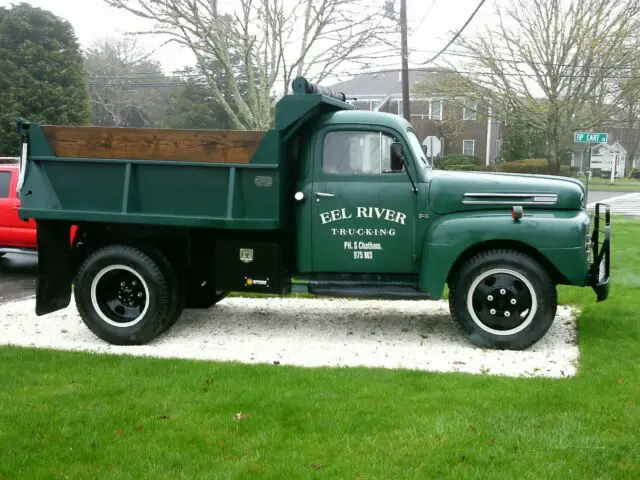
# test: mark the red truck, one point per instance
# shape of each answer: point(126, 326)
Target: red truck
point(16, 235)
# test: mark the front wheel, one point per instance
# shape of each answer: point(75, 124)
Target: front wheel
point(122, 295)
point(503, 299)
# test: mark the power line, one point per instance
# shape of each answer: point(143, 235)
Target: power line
point(527, 62)
point(390, 70)
point(457, 33)
point(137, 76)
point(180, 76)
point(433, 2)
point(488, 73)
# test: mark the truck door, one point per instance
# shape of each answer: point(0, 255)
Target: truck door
point(14, 232)
point(362, 214)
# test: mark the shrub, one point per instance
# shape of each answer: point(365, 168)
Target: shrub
point(468, 168)
point(458, 159)
point(532, 165)
point(537, 166)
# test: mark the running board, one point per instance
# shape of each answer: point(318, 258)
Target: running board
point(22, 251)
point(394, 291)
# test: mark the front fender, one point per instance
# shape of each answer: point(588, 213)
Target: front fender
point(559, 236)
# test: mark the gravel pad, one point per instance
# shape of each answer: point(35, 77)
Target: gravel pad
point(417, 335)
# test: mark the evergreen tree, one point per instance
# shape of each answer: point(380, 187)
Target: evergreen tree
point(42, 76)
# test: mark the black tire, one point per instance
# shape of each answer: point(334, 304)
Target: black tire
point(120, 268)
point(176, 286)
point(501, 281)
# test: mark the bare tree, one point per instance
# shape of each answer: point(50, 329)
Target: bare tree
point(629, 115)
point(276, 40)
point(124, 86)
point(550, 61)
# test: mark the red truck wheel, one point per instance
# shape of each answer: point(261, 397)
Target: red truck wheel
point(503, 299)
point(122, 295)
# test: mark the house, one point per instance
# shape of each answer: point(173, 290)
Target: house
point(603, 156)
point(623, 141)
point(444, 125)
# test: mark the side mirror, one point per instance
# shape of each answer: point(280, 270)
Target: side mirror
point(397, 161)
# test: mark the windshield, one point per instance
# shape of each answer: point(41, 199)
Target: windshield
point(416, 148)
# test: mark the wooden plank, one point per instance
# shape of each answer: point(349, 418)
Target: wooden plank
point(211, 146)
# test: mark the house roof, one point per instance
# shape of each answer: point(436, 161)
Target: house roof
point(385, 83)
point(615, 147)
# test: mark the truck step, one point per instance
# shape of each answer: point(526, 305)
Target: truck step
point(368, 290)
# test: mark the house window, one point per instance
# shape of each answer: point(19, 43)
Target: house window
point(435, 110)
point(369, 105)
point(431, 109)
point(353, 152)
point(470, 110)
point(468, 147)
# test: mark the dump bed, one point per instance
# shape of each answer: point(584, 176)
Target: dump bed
point(169, 177)
point(194, 178)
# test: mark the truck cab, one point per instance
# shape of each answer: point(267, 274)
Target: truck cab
point(16, 234)
point(331, 201)
point(363, 195)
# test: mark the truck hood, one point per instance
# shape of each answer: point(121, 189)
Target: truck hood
point(451, 192)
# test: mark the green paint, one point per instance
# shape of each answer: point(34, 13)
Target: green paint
point(558, 235)
point(370, 220)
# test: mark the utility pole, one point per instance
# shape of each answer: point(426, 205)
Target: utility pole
point(405, 61)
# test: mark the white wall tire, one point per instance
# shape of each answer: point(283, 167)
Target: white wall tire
point(139, 295)
point(122, 295)
point(503, 302)
point(503, 299)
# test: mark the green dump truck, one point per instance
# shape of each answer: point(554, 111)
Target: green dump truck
point(332, 201)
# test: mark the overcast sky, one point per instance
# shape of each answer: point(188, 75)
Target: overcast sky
point(433, 21)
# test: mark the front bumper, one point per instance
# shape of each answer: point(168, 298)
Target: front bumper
point(600, 267)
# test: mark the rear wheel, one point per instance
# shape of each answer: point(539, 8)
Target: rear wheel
point(503, 299)
point(122, 295)
point(176, 286)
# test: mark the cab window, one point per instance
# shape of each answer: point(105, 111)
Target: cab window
point(5, 181)
point(357, 153)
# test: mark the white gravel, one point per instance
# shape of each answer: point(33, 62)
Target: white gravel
point(416, 335)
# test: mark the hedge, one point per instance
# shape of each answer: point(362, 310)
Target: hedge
point(470, 168)
point(533, 165)
point(538, 166)
point(457, 159)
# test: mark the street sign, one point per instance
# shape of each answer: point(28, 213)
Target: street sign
point(583, 137)
point(432, 146)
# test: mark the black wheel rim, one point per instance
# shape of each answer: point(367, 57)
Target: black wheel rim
point(120, 296)
point(502, 302)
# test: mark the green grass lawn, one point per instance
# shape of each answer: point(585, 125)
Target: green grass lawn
point(620, 184)
point(84, 416)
